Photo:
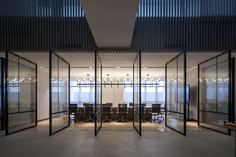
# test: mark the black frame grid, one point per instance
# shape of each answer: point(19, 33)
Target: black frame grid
point(6, 107)
point(184, 93)
point(51, 113)
point(210, 125)
point(137, 84)
point(98, 105)
point(2, 64)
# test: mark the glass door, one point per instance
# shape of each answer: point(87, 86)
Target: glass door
point(21, 94)
point(137, 94)
point(98, 94)
point(59, 93)
point(215, 92)
point(175, 97)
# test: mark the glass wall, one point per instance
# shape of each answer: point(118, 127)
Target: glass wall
point(98, 93)
point(214, 92)
point(176, 93)
point(21, 103)
point(59, 93)
point(137, 93)
point(2, 93)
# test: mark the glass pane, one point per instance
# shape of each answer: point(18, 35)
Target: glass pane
point(27, 86)
point(21, 94)
point(214, 89)
point(59, 94)
point(137, 90)
point(176, 94)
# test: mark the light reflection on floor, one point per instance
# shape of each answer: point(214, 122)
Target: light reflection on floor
point(119, 126)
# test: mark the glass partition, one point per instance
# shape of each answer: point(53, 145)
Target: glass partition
point(176, 93)
point(59, 79)
point(98, 93)
point(21, 93)
point(214, 92)
point(137, 93)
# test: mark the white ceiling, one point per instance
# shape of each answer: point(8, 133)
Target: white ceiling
point(111, 21)
point(117, 64)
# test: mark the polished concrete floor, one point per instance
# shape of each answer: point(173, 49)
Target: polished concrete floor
point(79, 140)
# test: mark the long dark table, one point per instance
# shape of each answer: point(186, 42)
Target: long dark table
point(114, 114)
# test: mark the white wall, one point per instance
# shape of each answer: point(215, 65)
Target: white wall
point(43, 93)
point(112, 95)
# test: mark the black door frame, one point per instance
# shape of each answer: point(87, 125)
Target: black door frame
point(6, 93)
point(96, 112)
point(230, 90)
point(139, 57)
point(50, 93)
point(185, 84)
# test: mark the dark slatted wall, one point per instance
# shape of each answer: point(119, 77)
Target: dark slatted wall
point(50, 33)
point(184, 33)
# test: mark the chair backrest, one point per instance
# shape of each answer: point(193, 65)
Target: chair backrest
point(106, 108)
point(85, 104)
point(143, 108)
point(109, 103)
point(156, 108)
point(131, 104)
point(73, 108)
point(122, 107)
point(88, 108)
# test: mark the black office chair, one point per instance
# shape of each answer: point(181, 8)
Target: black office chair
point(88, 112)
point(156, 111)
point(122, 113)
point(73, 110)
point(143, 112)
point(131, 104)
point(106, 112)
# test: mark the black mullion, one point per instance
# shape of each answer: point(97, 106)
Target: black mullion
point(230, 106)
point(95, 113)
point(68, 88)
point(177, 82)
point(140, 95)
point(6, 94)
point(166, 95)
point(233, 90)
point(58, 79)
point(101, 106)
point(216, 84)
point(50, 93)
point(185, 96)
point(21, 112)
point(175, 112)
point(198, 93)
point(60, 112)
point(2, 94)
point(36, 94)
point(133, 96)
point(18, 93)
